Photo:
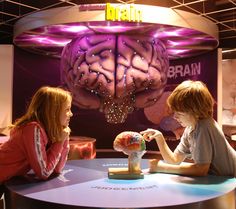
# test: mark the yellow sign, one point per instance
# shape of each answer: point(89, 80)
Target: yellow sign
point(126, 12)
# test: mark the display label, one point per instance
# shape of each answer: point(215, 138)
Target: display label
point(126, 12)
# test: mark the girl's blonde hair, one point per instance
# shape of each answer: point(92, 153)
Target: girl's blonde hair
point(45, 108)
point(192, 97)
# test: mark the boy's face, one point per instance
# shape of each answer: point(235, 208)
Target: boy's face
point(185, 119)
point(66, 113)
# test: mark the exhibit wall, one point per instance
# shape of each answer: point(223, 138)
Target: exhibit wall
point(6, 75)
point(32, 71)
point(229, 98)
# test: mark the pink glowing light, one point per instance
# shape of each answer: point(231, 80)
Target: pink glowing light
point(60, 35)
point(74, 28)
point(58, 32)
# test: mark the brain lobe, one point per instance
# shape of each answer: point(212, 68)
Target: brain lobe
point(114, 73)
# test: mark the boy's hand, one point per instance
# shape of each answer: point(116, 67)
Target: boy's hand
point(151, 134)
point(153, 165)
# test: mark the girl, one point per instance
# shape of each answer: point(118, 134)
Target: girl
point(39, 140)
point(202, 141)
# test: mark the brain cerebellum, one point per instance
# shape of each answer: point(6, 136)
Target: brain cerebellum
point(114, 73)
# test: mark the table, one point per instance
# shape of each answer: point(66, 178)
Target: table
point(84, 184)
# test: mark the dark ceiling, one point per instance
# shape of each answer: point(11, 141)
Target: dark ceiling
point(221, 12)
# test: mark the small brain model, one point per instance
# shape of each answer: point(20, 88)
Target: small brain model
point(133, 145)
point(129, 142)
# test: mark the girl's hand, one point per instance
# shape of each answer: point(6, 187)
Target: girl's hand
point(65, 133)
point(151, 134)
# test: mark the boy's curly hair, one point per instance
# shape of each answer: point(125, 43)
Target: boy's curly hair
point(192, 97)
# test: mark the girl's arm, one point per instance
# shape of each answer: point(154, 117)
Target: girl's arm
point(64, 155)
point(65, 150)
point(42, 161)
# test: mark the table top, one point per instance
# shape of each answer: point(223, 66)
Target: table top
point(85, 183)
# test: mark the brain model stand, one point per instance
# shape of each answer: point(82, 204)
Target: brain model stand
point(133, 145)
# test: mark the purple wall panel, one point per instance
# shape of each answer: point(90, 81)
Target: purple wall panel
point(31, 71)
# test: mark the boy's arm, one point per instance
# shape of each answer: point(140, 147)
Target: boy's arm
point(184, 168)
point(168, 155)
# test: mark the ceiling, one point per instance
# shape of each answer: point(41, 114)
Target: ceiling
point(221, 12)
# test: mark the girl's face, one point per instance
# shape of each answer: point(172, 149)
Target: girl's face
point(185, 119)
point(66, 113)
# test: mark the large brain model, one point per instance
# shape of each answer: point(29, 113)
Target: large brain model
point(114, 73)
